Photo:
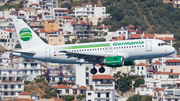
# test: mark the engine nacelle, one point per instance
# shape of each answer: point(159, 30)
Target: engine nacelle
point(128, 62)
point(115, 61)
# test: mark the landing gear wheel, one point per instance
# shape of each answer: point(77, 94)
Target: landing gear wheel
point(93, 71)
point(102, 70)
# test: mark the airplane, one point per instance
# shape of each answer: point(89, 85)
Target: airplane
point(112, 54)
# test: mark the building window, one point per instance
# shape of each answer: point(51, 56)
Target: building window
point(25, 65)
point(169, 99)
point(142, 68)
point(137, 68)
point(59, 40)
point(5, 93)
point(89, 100)
point(12, 86)
point(176, 99)
point(67, 91)
point(89, 93)
point(99, 94)
point(107, 94)
point(19, 86)
point(5, 86)
point(12, 93)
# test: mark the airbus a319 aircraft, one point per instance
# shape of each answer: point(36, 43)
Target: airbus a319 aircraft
point(112, 54)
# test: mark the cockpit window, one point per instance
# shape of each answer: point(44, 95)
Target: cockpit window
point(162, 44)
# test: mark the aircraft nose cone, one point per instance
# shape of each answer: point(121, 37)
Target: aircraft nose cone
point(171, 50)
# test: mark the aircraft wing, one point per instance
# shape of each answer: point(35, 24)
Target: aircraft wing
point(93, 58)
point(25, 52)
point(87, 57)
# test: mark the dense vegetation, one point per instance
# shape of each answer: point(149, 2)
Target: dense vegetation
point(139, 98)
point(123, 81)
point(8, 5)
point(152, 15)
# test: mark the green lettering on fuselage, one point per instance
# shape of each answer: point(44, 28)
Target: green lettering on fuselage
point(127, 43)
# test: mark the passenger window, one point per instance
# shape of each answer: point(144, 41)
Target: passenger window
point(142, 45)
point(87, 49)
point(129, 46)
point(116, 47)
point(80, 50)
point(119, 47)
point(100, 48)
point(134, 46)
point(124, 47)
point(159, 44)
point(137, 46)
point(103, 48)
point(95, 49)
point(74, 50)
point(90, 49)
point(77, 50)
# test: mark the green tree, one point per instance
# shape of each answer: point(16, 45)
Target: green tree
point(68, 42)
point(61, 82)
point(68, 97)
point(138, 82)
point(125, 83)
point(79, 97)
point(135, 98)
point(66, 5)
point(18, 46)
point(85, 1)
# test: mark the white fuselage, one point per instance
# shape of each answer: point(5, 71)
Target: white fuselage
point(129, 49)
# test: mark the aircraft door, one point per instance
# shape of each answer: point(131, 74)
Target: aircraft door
point(48, 52)
point(148, 45)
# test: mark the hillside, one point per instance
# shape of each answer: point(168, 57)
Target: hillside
point(153, 16)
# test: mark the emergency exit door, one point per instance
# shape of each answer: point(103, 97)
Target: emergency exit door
point(48, 52)
point(148, 45)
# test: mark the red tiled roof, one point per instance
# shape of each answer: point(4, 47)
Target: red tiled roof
point(148, 35)
point(103, 26)
point(162, 73)
point(34, 4)
point(135, 36)
point(143, 64)
point(26, 10)
point(174, 74)
point(117, 38)
point(24, 93)
point(82, 87)
point(173, 60)
point(130, 26)
point(61, 86)
point(67, 17)
point(178, 56)
point(165, 38)
point(61, 9)
point(49, 20)
point(9, 30)
point(56, 99)
point(2, 18)
point(158, 89)
point(19, 99)
point(72, 22)
point(157, 63)
point(102, 77)
point(82, 22)
point(131, 30)
point(143, 85)
point(46, 12)
point(178, 80)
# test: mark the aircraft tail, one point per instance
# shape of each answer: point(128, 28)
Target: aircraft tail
point(27, 37)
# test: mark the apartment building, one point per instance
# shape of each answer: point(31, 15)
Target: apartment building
point(69, 90)
point(11, 82)
point(142, 69)
point(90, 10)
point(60, 12)
point(92, 19)
point(64, 73)
point(29, 69)
point(103, 88)
point(28, 15)
point(50, 25)
point(168, 38)
point(8, 39)
point(55, 39)
point(64, 19)
point(172, 65)
point(102, 29)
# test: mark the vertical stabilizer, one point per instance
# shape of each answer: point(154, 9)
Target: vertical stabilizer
point(27, 37)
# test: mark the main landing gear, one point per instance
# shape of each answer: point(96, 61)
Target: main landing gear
point(94, 70)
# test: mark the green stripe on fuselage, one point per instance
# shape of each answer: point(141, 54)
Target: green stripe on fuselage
point(85, 46)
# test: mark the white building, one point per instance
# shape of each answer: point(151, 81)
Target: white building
point(141, 68)
point(28, 15)
point(69, 90)
point(29, 69)
point(89, 10)
point(60, 12)
point(103, 89)
point(119, 33)
point(11, 82)
point(8, 39)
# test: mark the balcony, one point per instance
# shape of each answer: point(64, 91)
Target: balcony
point(11, 82)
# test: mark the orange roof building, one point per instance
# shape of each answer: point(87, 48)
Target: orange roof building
point(19, 99)
point(24, 93)
point(157, 63)
point(173, 61)
point(102, 77)
point(143, 64)
point(61, 86)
